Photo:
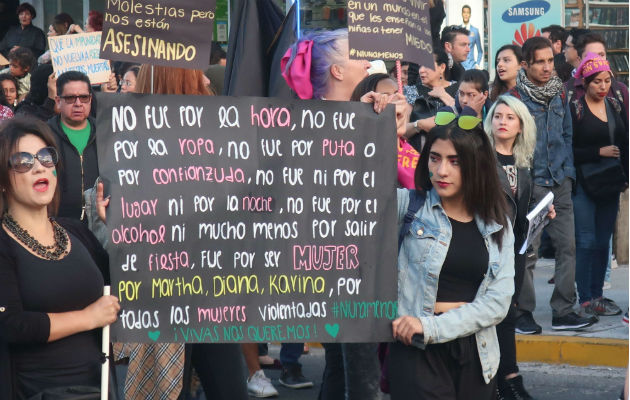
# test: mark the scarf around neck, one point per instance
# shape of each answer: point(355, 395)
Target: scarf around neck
point(540, 94)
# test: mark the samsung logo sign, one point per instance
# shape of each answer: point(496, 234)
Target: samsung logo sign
point(526, 11)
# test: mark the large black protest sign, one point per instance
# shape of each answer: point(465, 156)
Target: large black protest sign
point(172, 33)
point(249, 219)
point(390, 30)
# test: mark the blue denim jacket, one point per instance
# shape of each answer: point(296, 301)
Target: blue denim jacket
point(553, 157)
point(420, 260)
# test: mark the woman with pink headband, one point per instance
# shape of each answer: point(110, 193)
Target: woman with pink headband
point(318, 66)
point(600, 151)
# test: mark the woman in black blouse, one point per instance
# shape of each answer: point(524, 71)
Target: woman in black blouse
point(600, 135)
point(51, 274)
point(24, 35)
point(512, 132)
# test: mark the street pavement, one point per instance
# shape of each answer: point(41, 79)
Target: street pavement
point(543, 381)
point(607, 327)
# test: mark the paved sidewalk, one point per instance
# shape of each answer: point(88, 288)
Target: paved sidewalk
point(605, 343)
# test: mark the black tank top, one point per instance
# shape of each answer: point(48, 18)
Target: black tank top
point(46, 286)
point(465, 265)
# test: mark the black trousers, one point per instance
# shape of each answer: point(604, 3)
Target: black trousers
point(444, 371)
point(352, 372)
point(220, 368)
point(505, 329)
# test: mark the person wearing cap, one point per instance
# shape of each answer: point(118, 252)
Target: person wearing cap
point(599, 136)
point(594, 42)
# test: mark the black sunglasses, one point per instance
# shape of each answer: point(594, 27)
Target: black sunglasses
point(83, 98)
point(23, 162)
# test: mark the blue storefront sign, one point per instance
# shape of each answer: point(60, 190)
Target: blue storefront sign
point(515, 21)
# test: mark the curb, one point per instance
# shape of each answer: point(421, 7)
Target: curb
point(572, 350)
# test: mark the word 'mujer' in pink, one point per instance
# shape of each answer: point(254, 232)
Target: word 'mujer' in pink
point(325, 257)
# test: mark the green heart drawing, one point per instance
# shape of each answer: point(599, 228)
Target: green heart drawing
point(154, 335)
point(332, 330)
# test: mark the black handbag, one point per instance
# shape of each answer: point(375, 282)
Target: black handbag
point(605, 178)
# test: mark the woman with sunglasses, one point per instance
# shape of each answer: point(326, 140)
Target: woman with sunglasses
point(512, 131)
point(52, 274)
point(455, 268)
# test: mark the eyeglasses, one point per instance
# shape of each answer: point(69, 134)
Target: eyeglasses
point(23, 162)
point(83, 98)
point(466, 122)
point(126, 83)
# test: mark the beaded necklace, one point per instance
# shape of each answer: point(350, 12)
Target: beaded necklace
point(53, 252)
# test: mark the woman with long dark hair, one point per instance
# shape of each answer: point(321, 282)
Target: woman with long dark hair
point(507, 63)
point(9, 86)
point(455, 268)
point(52, 273)
point(600, 139)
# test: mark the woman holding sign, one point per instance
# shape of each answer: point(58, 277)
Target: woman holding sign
point(318, 66)
point(52, 274)
point(163, 370)
point(455, 266)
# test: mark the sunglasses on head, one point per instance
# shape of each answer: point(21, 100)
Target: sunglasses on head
point(464, 120)
point(83, 98)
point(23, 162)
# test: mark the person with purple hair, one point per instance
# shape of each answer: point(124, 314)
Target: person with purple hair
point(318, 66)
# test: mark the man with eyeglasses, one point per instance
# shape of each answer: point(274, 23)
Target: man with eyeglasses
point(570, 52)
point(76, 139)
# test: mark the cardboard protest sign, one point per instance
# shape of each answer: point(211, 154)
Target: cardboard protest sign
point(79, 52)
point(171, 33)
point(249, 219)
point(391, 30)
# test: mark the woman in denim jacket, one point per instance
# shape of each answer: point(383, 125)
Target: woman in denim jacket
point(455, 270)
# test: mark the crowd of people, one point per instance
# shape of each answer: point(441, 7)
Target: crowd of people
point(474, 157)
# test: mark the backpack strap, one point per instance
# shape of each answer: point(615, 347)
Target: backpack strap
point(617, 89)
point(577, 110)
point(616, 104)
point(416, 201)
